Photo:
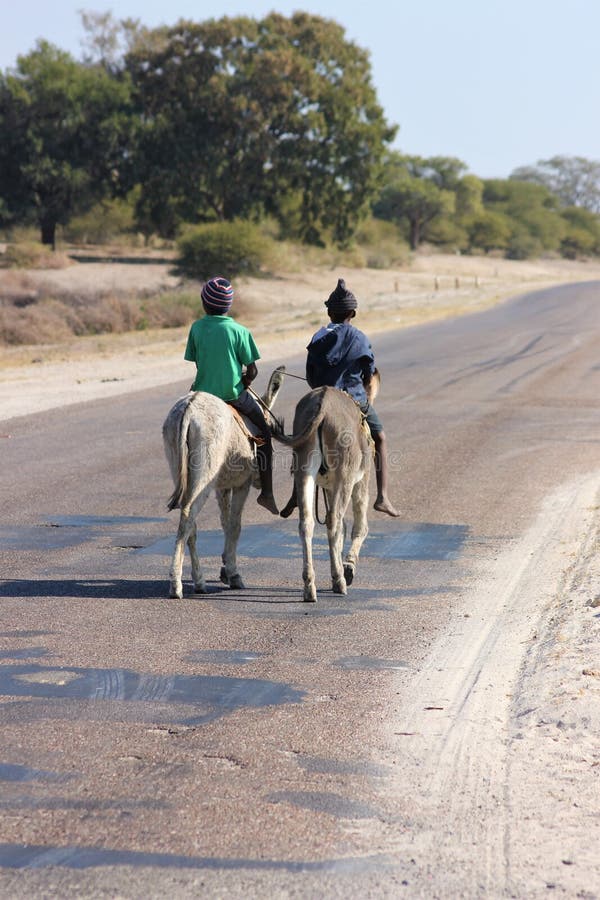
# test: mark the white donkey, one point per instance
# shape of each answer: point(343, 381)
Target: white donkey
point(208, 448)
point(333, 449)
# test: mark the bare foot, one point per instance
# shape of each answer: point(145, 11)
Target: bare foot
point(268, 501)
point(382, 504)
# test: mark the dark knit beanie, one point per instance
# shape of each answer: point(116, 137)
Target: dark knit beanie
point(341, 300)
point(217, 295)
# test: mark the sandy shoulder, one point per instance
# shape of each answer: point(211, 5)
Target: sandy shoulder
point(497, 739)
point(282, 312)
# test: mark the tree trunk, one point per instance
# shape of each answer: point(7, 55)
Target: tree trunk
point(415, 234)
point(48, 230)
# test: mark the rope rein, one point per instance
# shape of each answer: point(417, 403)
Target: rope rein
point(299, 377)
point(324, 492)
point(264, 406)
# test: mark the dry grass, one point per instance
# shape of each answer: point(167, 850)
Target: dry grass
point(51, 305)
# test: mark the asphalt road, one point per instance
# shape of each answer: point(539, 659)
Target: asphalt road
point(233, 744)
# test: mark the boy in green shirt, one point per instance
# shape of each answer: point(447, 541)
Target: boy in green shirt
point(220, 347)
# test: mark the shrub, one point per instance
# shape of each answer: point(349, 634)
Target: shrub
point(170, 309)
point(31, 316)
point(382, 245)
point(223, 248)
point(31, 255)
point(39, 323)
point(489, 231)
point(523, 245)
point(576, 243)
point(104, 222)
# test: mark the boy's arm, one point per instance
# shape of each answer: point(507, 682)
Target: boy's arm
point(249, 375)
point(190, 348)
point(310, 372)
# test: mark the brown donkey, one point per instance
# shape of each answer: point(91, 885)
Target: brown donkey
point(334, 450)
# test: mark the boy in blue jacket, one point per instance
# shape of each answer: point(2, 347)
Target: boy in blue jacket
point(340, 355)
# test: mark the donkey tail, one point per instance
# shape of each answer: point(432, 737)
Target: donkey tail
point(180, 473)
point(311, 407)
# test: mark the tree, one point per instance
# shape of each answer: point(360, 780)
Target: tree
point(490, 231)
point(237, 114)
point(582, 232)
point(469, 196)
point(414, 193)
point(63, 137)
point(533, 211)
point(108, 39)
point(575, 180)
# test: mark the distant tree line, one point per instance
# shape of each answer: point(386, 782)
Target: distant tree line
point(552, 207)
point(242, 119)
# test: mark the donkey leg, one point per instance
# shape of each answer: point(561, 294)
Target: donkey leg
point(197, 576)
point(305, 490)
point(339, 499)
point(186, 534)
point(360, 526)
point(232, 527)
point(224, 501)
point(183, 531)
point(197, 573)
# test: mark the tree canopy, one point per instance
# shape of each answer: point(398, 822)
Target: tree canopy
point(237, 114)
point(64, 132)
point(416, 191)
point(433, 200)
point(574, 180)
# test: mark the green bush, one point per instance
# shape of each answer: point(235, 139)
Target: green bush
point(104, 222)
point(523, 245)
point(223, 248)
point(577, 243)
point(489, 231)
point(382, 245)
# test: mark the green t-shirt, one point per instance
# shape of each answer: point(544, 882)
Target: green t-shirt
point(220, 346)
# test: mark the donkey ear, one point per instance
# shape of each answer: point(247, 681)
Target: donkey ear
point(276, 379)
point(274, 385)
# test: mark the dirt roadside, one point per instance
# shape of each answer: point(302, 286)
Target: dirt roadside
point(499, 734)
point(282, 312)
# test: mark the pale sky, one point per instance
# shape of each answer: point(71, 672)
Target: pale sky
point(496, 83)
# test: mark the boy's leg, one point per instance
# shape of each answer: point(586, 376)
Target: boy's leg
point(264, 454)
point(291, 505)
point(382, 501)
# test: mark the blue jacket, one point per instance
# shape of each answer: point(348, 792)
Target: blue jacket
point(340, 355)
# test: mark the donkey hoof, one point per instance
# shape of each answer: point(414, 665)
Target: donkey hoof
point(236, 583)
point(176, 593)
point(223, 575)
point(310, 595)
point(349, 574)
point(339, 587)
point(200, 589)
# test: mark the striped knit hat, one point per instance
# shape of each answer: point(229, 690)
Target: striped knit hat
point(217, 295)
